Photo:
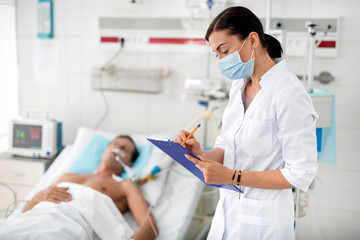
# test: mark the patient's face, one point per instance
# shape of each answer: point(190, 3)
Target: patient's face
point(126, 146)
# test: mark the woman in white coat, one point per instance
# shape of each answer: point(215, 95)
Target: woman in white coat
point(268, 142)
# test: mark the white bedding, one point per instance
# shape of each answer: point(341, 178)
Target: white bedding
point(90, 214)
point(173, 196)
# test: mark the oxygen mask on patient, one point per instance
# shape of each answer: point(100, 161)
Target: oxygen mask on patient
point(118, 157)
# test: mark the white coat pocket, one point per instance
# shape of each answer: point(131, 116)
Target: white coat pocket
point(257, 136)
point(258, 219)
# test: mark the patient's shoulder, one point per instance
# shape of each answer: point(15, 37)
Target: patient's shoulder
point(127, 186)
point(127, 183)
point(68, 175)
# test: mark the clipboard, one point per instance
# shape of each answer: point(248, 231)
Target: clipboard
point(177, 152)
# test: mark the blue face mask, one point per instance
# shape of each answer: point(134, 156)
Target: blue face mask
point(233, 68)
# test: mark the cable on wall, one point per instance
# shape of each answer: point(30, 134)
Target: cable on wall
point(106, 67)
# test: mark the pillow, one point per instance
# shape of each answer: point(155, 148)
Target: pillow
point(141, 161)
point(90, 157)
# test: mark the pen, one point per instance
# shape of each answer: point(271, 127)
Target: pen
point(189, 136)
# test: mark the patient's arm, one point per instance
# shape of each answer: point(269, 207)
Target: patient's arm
point(52, 194)
point(139, 209)
point(55, 194)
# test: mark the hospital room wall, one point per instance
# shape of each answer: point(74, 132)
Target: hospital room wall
point(73, 101)
point(334, 201)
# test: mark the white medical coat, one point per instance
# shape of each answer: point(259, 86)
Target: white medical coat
point(276, 132)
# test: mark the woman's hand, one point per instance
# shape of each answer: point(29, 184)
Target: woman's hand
point(214, 172)
point(57, 194)
point(191, 144)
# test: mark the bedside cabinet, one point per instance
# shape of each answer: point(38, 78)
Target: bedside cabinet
point(21, 175)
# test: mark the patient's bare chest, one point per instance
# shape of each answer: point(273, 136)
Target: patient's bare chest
point(104, 185)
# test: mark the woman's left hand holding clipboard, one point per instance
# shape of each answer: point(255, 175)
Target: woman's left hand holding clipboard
point(214, 172)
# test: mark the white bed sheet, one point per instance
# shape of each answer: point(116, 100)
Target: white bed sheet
point(90, 215)
point(173, 210)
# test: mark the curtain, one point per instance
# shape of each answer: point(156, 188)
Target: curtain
point(8, 70)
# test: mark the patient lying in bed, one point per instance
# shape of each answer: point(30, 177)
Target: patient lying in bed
point(96, 197)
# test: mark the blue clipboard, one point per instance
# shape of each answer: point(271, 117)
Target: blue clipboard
point(177, 152)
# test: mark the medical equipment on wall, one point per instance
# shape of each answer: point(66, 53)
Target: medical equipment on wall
point(111, 77)
point(151, 34)
point(324, 77)
point(294, 37)
point(37, 138)
point(119, 155)
point(147, 80)
point(204, 89)
point(315, 45)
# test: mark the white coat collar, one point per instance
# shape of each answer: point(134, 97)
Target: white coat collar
point(270, 75)
point(266, 81)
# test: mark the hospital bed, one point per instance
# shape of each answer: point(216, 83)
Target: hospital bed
point(173, 196)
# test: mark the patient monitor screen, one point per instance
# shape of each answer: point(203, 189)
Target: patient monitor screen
point(27, 136)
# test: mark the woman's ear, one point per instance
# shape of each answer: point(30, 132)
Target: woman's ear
point(254, 40)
